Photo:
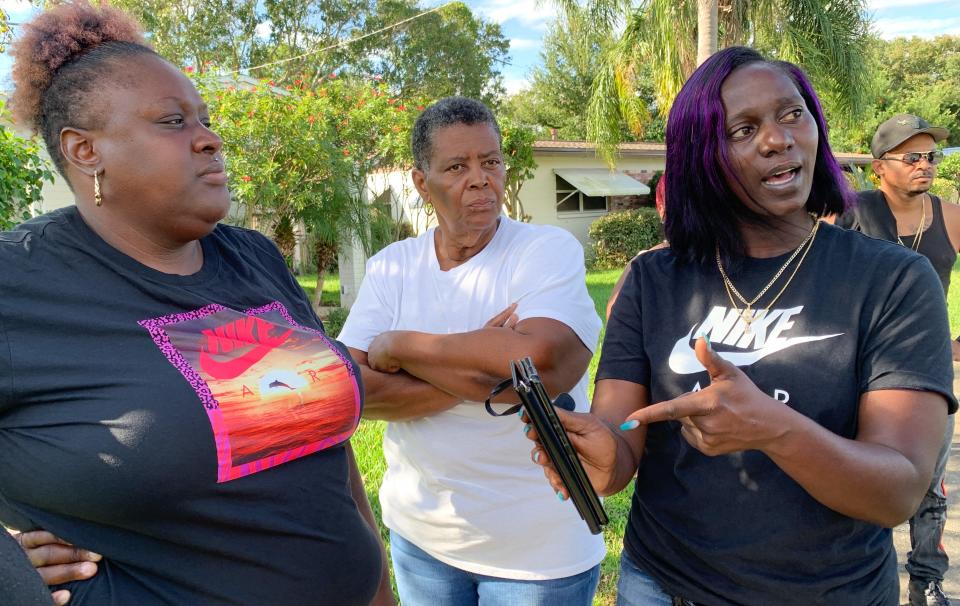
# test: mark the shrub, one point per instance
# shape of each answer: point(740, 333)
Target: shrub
point(335, 320)
point(617, 237)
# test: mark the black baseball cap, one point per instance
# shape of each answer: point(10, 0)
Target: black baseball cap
point(901, 127)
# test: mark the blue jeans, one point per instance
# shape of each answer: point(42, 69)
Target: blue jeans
point(636, 588)
point(927, 561)
point(423, 580)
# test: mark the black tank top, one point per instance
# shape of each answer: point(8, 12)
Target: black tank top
point(874, 218)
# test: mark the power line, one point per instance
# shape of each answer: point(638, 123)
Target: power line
point(344, 42)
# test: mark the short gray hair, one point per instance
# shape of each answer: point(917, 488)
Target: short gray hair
point(448, 111)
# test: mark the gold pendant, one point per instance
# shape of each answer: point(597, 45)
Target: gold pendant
point(747, 316)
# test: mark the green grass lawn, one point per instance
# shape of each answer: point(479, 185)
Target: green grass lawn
point(953, 301)
point(368, 439)
point(331, 288)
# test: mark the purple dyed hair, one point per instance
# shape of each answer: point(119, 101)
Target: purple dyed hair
point(702, 211)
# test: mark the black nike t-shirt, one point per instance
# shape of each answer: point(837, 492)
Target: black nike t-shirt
point(189, 428)
point(735, 529)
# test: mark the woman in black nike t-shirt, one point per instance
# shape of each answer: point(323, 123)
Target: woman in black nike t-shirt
point(168, 398)
point(778, 385)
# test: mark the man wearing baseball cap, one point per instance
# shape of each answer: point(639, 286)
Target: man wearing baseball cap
point(904, 212)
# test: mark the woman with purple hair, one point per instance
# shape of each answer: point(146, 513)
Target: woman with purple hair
point(778, 385)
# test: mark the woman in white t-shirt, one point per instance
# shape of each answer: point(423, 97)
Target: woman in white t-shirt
point(436, 322)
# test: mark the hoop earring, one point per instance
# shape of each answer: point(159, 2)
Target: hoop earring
point(97, 196)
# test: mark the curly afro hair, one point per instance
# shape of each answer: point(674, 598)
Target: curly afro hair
point(62, 60)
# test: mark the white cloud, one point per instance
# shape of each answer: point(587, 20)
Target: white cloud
point(14, 5)
point(524, 44)
point(17, 10)
point(263, 30)
point(514, 85)
point(875, 5)
point(530, 13)
point(924, 28)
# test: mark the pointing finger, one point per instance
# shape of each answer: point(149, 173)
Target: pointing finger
point(715, 364)
point(687, 405)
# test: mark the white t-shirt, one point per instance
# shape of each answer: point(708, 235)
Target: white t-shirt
point(460, 484)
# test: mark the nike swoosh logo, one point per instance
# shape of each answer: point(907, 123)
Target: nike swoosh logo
point(683, 360)
point(232, 369)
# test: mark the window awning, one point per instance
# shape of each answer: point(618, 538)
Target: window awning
point(602, 182)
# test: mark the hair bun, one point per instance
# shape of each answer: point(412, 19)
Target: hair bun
point(53, 39)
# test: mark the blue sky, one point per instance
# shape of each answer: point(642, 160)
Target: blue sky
point(524, 23)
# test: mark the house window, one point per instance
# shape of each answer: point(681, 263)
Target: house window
point(572, 200)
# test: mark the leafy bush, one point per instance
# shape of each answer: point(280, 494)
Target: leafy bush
point(948, 171)
point(617, 237)
point(22, 173)
point(335, 320)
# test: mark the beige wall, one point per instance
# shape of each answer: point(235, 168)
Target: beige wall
point(539, 193)
point(55, 195)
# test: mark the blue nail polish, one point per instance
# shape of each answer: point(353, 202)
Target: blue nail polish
point(560, 496)
point(707, 339)
point(526, 428)
point(628, 425)
point(520, 413)
point(536, 457)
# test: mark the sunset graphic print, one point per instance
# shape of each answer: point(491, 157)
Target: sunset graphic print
point(274, 391)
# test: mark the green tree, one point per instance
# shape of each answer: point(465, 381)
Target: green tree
point(302, 155)
point(518, 158)
point(197, 32)
point(447, 52)
point(572, 55)
point(307, 39)
point(825, 37)
point(5, 32)
point(910, 75)
point(22, 173)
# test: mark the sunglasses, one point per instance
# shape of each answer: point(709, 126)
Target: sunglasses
point(933, 157)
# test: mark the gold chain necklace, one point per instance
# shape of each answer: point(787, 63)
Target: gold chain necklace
point(747, 314)
point(919, 235)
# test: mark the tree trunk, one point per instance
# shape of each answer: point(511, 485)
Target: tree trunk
point(325, 253)
point(706, 29)
point(285, 239)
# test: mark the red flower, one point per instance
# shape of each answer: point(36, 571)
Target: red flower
point(188, 69)
point(231, 88)
point(378, 77)
point(250, 113)
point(311, 119)
point(247, 178)
point(253, 89)
point(402, 107)
point(346, 152)
point(298, 81)
point(333, 75)
point(272, 83)
point(420, 108)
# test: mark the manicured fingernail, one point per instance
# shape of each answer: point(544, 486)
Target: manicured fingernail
point(560, 496)
point(536, 457)
point(520, 413)
point(707, 339)
point(526, 428)
point(628, 425)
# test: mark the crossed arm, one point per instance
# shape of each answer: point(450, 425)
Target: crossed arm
point(409, 375)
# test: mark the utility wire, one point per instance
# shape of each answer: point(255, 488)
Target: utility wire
point(344, 42)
